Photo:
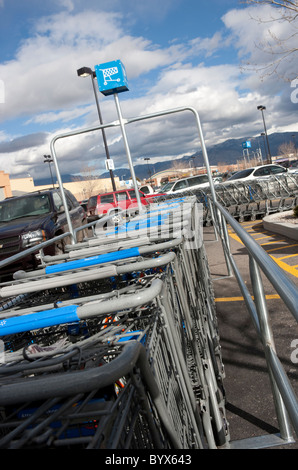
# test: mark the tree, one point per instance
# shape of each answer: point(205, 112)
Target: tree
point(179, 168)
point(282, 49)
point(287, 150)
point(89, 183)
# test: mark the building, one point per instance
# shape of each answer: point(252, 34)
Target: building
point(81, 189)
point(5, 187)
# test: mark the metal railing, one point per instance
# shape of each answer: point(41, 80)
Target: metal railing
point(286, 403)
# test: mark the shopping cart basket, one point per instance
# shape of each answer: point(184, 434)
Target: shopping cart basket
point(48, 388)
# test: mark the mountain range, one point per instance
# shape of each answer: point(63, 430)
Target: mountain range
point(227, 152)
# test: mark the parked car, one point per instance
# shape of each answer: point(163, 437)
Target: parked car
point(148, 189)
point(116, 201)
point(32, 218)
point(262, 171)
point(293, 167)
point(186, 184)
point(286, 163)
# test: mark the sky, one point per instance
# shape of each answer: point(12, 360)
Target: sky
point(210, 55)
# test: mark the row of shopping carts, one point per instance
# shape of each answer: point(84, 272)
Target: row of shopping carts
point(249, 199)
point(115, 343)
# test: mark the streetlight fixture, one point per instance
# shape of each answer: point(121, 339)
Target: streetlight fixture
point(48, 159)
point(262, 108)
point(86, 72)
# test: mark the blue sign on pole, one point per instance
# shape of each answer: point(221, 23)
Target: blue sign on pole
point(246, 144)
point(111, 77)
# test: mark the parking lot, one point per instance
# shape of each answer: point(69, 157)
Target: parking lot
point(250, 407)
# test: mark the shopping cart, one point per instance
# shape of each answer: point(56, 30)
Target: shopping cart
point(184, 332)
point(135, 320)
point(108, 74)
point(248, 199)
point(113, 404)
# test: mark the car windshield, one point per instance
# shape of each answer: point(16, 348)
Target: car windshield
point(241, 174)
point(167, 186)
point(16, 208)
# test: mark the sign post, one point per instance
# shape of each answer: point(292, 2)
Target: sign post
point(111, 79)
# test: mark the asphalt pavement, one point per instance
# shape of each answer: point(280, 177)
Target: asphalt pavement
point(249, 403)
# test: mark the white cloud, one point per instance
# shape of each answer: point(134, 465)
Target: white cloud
point(42, 86)
point(263, 37)
point(43, 75)
point(62, 116)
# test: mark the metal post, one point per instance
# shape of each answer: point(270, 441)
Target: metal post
point(268, 341)
point(261, 108)
point(103, 131)
point(149, 172)
point(122, 125)
point(48, 159)
point(69, 223)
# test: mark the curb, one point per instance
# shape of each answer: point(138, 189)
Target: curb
point(288, 230)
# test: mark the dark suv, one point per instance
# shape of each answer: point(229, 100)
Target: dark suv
point(32, 218)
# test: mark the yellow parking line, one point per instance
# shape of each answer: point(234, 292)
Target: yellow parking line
point(233, 235)
point(288, 256)
point(253, 232)
point(289, 269)
point(269, 243)
point(251, 222)
point(282, 247)
point(285, 266)
point(239, 299)
point(262, 238)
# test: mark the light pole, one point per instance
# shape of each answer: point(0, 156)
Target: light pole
point(262, 108)
point(265, 148)
point(85, 72)
point(48, 159)
point(149, 172)
point(193, 164)
point(294, 140)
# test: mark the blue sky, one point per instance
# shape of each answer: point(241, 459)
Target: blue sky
point(176, 53)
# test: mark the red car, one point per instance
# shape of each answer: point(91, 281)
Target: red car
point(110, 203)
